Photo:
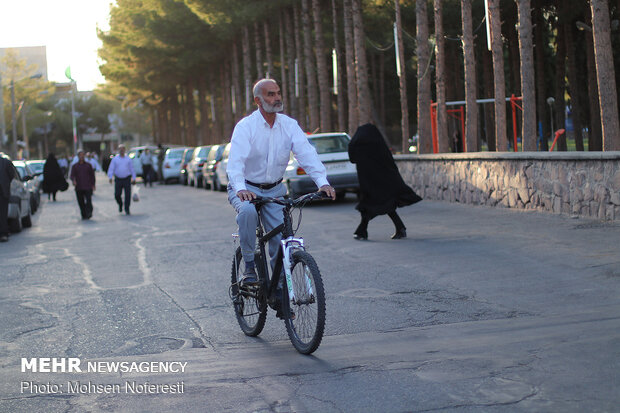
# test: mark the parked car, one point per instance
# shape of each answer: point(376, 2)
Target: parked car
point(36, 165)
point(33, 184)
point(220, 181)
point(194, 167)
point(187, 156)
point(332, 149)
point(20, 212)
point(134, 154)
point(210, 166)
point(172, 164)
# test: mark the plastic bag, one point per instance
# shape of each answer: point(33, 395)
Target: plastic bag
point(136, 194)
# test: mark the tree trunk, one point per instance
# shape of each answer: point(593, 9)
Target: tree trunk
point(283, 79)
point(204, 110)
point(260, 71)
point(301, 100)
point(268, 53)
point(313, 99)
point(471, 86)
point(361, 65)
point(489, 110)
point(576, 104)
point(560, 86)
point(290, 54)
point(339, 88)
point(526, 49)
point(605, 75)
point(190, 113)
point(382, 78)
point(498, 76)
point(440, 80)
point(402, 76)
point(350, 61)
point(216, 118)
point(247, 70)
point(541, 84)
point(175, 119)
point(226, 101)
point(236, 83)
point(595, 138)
point(322, 70)
point(425, 142)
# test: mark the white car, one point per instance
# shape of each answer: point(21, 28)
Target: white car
point(172, 164)
point(134, 154)
point(333, 151)
point(221, 177)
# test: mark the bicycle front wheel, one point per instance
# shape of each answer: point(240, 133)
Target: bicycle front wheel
point(250, 303)
point(305, 317)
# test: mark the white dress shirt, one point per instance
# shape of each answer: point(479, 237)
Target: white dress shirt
point(260, 153)
point(121, 167)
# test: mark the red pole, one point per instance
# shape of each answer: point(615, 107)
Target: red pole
point(557, 135)
point(462, 129)
point(434, 126)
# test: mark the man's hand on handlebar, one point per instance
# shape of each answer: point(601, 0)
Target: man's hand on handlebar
point(246, 195)
point(329, 191)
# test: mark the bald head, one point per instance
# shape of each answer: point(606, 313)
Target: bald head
point(260, 86)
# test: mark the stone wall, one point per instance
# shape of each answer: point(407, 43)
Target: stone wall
point(572, 183)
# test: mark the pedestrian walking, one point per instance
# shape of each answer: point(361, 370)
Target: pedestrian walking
point(7, 174)
point(122, 172)
point(83, 178)
point(382, 189)
point(53, 177)
point(146, 159)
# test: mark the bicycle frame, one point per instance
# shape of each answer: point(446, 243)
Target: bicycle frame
point(288, 245)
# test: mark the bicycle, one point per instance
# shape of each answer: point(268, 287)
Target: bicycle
point(301, 300)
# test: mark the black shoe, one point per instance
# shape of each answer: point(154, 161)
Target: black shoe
point(363, 236)
point(127, 212)
point(249, 277)
point(400, 233)
point(4, 238)
point(120, 208)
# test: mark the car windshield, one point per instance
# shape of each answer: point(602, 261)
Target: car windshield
point(174, 154)
point(36, 166)
point(21, 170)
point(203, 152)
point(188, 155)
point(213, 153)
point(330, 143)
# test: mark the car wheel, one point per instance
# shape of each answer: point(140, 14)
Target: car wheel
point(15, 225)
point(216, 184)
point(33, 204)
point(27, 220)
point(199, 183)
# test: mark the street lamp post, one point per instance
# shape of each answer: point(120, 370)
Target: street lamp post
point(14, 146)
point(2, 123)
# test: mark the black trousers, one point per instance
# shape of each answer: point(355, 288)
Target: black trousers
point(147, 171)
point(362, 228)
point(4, 212)
point(84, 199)
point(120, 185)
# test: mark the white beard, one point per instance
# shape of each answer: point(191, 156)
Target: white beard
point(275, 108)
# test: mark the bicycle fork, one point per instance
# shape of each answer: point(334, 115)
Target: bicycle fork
point(289, 245)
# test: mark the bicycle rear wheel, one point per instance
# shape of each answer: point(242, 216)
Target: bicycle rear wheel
point(305, 318)
point(250, 303)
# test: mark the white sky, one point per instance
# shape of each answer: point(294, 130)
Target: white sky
point(67, 27)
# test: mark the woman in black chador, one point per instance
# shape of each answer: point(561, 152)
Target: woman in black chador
point(382, 189)
point(53, 178)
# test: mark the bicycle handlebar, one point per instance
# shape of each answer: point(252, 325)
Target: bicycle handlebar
point(259, 200)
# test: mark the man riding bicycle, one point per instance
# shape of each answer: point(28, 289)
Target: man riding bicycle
point(259, 153)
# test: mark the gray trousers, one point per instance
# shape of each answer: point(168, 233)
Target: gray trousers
point(247, 220)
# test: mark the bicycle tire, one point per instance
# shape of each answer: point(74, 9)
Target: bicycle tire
point(251, 312)
point(306, 329)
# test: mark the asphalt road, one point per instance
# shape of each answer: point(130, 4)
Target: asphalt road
point(479, 309)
